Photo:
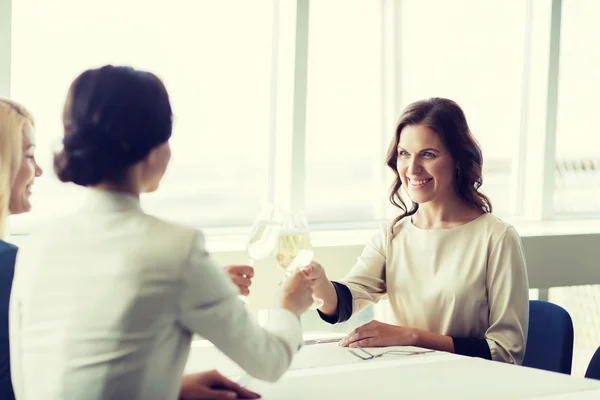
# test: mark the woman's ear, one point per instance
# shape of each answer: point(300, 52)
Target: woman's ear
point(152, 157)
point(154, 166)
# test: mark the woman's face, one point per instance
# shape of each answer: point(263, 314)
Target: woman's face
point(27, 171)
point(425, 165)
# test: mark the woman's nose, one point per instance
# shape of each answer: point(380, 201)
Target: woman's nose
point(38, 170)
point(414, 167)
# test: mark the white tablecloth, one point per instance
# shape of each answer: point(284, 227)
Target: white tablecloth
point(327, 371)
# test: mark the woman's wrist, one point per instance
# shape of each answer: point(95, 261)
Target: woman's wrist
point(322, 283)
point(415, 337)
point(430, 340)
point(325, 290)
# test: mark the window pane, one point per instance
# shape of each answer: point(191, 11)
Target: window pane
point(577, 181)
point(343, 109)
point(470, 51)
point(215, 63)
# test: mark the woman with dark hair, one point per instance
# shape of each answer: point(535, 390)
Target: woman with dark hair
point(454, 273)
point(105, 301)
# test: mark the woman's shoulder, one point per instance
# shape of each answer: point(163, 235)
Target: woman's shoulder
point(8, 254)
point(180, 238)
point(155, 234)
point(494, 223)
point(162, 224)
point(393, 227)
point(6, 247)
point(495, 229)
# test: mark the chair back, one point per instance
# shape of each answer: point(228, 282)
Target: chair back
point(593, 370)
point(550, 338)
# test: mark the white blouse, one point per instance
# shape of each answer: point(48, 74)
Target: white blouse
point(105, 302)
point(467, 281)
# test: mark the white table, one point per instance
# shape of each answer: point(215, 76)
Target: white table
point(327, 371)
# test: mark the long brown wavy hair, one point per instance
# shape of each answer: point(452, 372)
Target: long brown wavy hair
point(448, 120)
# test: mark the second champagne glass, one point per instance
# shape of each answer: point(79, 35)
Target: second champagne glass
point(294, 248)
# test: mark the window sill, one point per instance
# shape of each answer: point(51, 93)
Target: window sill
point(347, 234)
point(331, 235)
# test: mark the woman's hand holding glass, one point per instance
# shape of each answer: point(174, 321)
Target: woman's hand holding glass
point(296, 293)
point(287, 234)
point(242, 276)
point(315, 272)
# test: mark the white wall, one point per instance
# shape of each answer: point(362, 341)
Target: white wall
point(552, 261)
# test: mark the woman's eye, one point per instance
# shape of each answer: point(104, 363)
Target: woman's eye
point(402, 153)
point(429, 154)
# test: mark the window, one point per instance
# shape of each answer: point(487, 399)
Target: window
point(215, 64)
point(343, 126)
point(233, 81)
point(470, 51)
point(577, 174)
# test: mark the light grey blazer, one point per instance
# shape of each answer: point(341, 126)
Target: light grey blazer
point(105, 301)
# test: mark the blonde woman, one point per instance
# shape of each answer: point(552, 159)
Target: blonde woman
point(18, 170)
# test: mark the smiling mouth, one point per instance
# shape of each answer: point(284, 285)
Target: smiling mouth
point(419, 183)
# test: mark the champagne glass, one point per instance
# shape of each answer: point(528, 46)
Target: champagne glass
point(294, 248)
point(263, 235)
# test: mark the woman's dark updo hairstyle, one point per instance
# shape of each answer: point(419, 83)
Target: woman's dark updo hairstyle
point(113, 118)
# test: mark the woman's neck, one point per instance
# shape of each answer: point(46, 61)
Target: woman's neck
point(115, 187)
point(449, 214)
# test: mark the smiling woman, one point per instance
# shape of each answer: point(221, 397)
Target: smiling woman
point(27, 172)
point(18, 169)
point(454, 273)
point(445, 154)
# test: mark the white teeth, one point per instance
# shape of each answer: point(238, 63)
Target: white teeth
point(422, 182)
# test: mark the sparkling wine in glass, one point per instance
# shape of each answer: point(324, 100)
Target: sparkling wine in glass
point(294, 248)
point(263, 235)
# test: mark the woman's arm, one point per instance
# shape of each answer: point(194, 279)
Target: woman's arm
point(362, 286)
point(508, 299)
point(209, 305)
point(325, 290)
point(379, 334)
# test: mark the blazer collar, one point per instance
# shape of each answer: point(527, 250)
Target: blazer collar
point(111, 201)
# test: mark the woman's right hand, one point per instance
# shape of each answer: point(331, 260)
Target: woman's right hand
point(297, 293)
point(315, 272)
point(322, 287)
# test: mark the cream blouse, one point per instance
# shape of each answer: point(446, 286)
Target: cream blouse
point(466, 282)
